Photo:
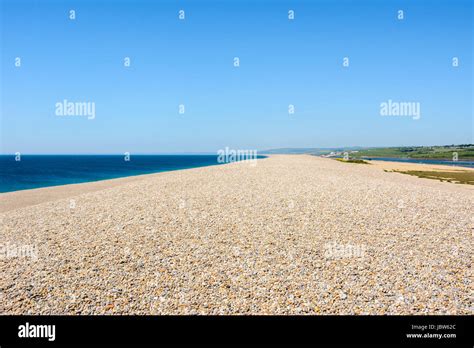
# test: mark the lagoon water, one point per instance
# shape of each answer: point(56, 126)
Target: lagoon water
point(459, 163)
point(34, 171)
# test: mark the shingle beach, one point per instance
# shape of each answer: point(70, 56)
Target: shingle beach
point(289, 235)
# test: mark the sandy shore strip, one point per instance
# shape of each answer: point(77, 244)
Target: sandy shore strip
point(23, 198)
point(294, 234)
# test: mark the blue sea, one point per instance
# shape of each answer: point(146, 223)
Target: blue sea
point(459, 163)
point(34, 171)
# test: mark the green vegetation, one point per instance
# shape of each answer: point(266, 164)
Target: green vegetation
point(352, 161)
point(464, 151)
point(457, 177)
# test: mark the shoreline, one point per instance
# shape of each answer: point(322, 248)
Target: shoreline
point(112, 170)
point(23, 198)
point(413, 166)
point(447, 159)
point(447, 163)
point(12, 200)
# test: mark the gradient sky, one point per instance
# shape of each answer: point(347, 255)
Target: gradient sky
point(190, 62)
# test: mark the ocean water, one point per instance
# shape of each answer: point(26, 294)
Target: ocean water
point(34, 171)
point(459, 163)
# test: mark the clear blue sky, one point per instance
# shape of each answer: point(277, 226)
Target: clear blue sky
point(191, 62)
